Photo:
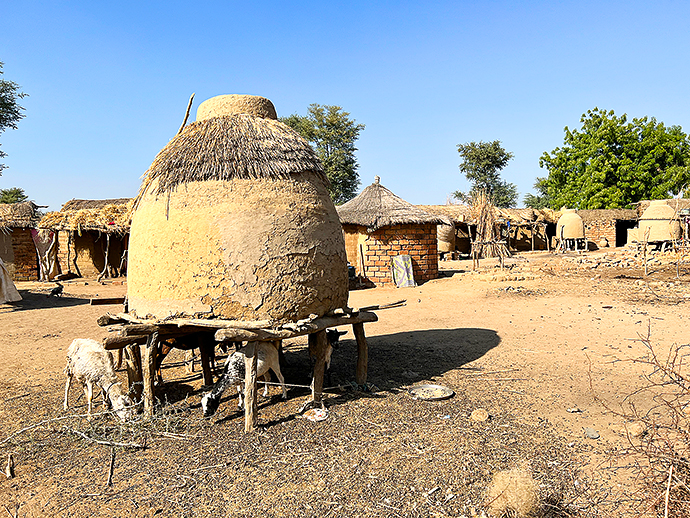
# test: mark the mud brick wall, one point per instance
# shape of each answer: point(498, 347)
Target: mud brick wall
point(417, 241)
point(64, 242)
point(595, 230)
point(25, 266)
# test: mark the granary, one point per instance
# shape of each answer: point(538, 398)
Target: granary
point(379, 225)
point(660, 221)
point(17, 248)
point(234, 237)
point(234, 220)
point(92, 236)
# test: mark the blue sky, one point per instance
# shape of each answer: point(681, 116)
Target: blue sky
point(109, 81)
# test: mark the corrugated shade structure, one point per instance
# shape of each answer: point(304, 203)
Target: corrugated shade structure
point(18, 215)
point(377, 207)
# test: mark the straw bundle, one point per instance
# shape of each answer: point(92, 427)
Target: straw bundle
point(488, 239)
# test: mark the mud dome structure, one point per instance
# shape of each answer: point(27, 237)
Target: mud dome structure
point(658, 224)
point(234, 221)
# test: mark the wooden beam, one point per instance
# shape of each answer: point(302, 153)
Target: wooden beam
point(362, 353)
point(104, 301)
point(120, 342)
point(316, 325)
point(250, 407)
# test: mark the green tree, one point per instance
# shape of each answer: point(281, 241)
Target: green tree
point(333, 134)
point(542, 199)
point(482, 163)
point(10, 111)
point(611, 162)
point(12, 195)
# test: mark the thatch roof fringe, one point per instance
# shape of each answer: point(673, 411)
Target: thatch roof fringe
point(377, 207)
point(111, 216)
point(18, 215)
point(230, 147)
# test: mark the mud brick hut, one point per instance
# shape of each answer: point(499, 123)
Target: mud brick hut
point(607, 227)
point(92, 236)
point(378, 225)
point(17, 249)
point(234, 221)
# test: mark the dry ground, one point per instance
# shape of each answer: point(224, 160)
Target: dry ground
point(527, 351)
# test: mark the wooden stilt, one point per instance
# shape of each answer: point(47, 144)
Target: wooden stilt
point(149, 365)
point(207, 353)
point(250, 410)
point(134, 374)
point(362, 353)
point(320, 346)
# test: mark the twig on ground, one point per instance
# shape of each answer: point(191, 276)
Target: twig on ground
point(111, 468)
point(105, 443)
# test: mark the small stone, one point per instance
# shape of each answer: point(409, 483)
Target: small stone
point(479, 415)
point(573, 410)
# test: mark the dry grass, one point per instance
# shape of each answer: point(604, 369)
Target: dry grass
point(380, 454)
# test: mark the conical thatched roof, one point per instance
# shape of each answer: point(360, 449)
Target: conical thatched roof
point(377, 207)
point(18, 215)
point(112, 216)
point(232, 147)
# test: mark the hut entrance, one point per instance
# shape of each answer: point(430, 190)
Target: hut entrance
point(622, 227)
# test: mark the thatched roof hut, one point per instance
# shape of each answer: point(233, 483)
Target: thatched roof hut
point(17, 250)
point(19, 215)
point(377, 225)
point(111, 216)
point(92, 236)
point(377, 207)
point(234, 220)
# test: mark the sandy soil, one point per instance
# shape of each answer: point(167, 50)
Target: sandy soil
point(533, 350)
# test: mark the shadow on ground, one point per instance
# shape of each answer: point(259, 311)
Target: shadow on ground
point(32, 300)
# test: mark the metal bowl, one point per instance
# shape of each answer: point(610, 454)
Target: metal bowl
point(430, 392)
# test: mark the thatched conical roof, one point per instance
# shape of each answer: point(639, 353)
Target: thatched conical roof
point(111, 216)
point(377, 207)
point(18, 215)
point(236, 146)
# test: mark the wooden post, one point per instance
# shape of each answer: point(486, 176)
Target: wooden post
point(207, 352)
point(532, 226)
point(134, 374)
point(362, 353)
point(321, 346)
point(250, 411)
point(149, 365)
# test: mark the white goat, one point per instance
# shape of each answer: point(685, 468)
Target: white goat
point(267, 358)
point(91, 364)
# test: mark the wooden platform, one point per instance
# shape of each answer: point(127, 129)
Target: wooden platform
point(132, 332)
